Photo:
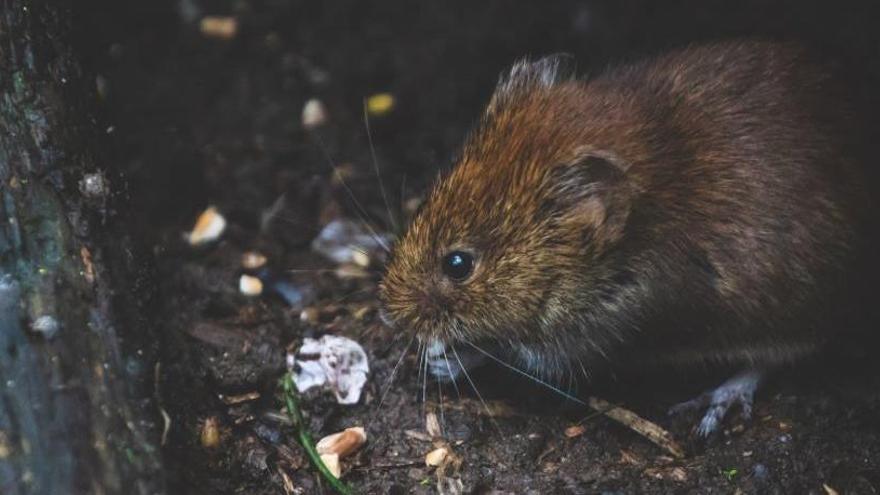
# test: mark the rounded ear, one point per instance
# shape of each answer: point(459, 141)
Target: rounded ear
point(592, 191)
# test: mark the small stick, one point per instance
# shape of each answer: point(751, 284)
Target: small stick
point(653, 432)
point(305, 439)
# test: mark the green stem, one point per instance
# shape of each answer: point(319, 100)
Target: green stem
point(290, 400)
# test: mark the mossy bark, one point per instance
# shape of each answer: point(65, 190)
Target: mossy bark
point(76, 352)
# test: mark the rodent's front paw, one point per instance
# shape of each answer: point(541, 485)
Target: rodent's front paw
point(738, 390)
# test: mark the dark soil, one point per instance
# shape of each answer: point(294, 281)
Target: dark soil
point(197, 121)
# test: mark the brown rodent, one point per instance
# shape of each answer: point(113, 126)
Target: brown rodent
point(703, 206)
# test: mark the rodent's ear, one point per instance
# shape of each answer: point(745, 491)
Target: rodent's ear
point(527, 75)
point(593, 191)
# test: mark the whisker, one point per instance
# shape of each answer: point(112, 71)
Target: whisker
point(345, 297)
point(583, 369)
point(451, 377)
point(376, 168)
point(425, 379)
point(390, 380)
point(421, 356)
point(474, 387)
point(527, 375)
point(442, 417)
point(362, 213)
point(402, 197)
point(320, 271)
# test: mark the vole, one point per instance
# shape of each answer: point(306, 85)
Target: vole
point(707, 206)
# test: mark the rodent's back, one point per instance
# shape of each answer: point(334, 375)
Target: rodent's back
point(754, 178)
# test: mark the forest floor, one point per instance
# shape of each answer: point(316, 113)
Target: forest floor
point(198, 120)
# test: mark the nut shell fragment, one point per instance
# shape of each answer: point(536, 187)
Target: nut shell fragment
point(209, 226)
point(436, 457)
point(332, 463)
point(575, 431)
point(250, 286)
point(344, 443)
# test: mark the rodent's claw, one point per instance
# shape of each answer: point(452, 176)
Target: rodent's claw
point(738, 390)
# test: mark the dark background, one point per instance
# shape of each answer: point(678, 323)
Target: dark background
point(194, 121)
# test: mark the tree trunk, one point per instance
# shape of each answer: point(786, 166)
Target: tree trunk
point(76, 353)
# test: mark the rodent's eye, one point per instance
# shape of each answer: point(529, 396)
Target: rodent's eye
point(458, 265)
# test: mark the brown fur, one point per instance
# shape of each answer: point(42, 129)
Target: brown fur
point(704, 205)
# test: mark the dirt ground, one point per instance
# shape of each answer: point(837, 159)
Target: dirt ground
point(195, 121)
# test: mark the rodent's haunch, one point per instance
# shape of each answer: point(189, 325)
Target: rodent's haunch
point(704, 206)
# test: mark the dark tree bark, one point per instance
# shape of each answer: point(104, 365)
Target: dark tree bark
point(75, 350)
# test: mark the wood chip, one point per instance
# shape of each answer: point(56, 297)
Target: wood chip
point(219, 27)
point(210, 434)
point(675, 474)
point(5, 446)
point(251, 260)
point(88, 266)
point(287, 483)
point(829, 490)
point(232, 400)
point(432, 425)
point(651, 431)
point(417, 435)
point(630, 457)
point(344, 443)
point(575, 431)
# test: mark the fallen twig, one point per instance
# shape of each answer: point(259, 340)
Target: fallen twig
point(305, 439)
point(653, 432)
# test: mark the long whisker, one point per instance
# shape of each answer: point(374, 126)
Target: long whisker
point(451, 376)
point(527, 375)
point(376, 169)
point(321, 271)
point(442, 417)
point(421, 356)
point(388, 383)
point(402, 196)
point(425, 379)
point(474, 387)
point(362, 213)
point(346, 297)
point(583, 369)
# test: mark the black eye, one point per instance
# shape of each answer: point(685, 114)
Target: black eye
point(458, 265)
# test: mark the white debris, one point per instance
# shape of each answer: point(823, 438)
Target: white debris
point(46, 325)
point(347, 242)
point(209, 226)
point(334, 362)
point(313, 114)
